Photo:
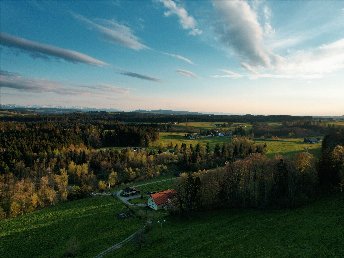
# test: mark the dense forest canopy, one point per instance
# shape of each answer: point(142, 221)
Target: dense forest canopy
point(46, 158)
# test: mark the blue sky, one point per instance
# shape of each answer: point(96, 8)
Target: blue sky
point(257, 57)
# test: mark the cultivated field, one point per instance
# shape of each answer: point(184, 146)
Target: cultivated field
point(316, 230)
point(172, 138)
point(283, 146)
point(88, 226)
point(84, 227)
point(289, 146)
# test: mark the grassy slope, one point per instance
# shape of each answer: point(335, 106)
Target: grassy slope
point(289, 146)
point(46, 233)
point(316, 230)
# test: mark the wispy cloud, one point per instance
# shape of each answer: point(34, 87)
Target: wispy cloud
point(114, 32)
point(227, 74)
point(186, 21)
point(35, 85)
point(186, 73)
point(45, 51)
point(308, 64)
point(180, 57)
point(237, 27)
point(140, 76)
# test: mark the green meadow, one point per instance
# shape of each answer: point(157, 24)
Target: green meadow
point(82, 227)
point(172, 138)
point(315, 230)
point(88, 226)
point(289, 146)
point(282, 146)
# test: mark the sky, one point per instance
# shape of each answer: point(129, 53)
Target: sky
point(237, 57)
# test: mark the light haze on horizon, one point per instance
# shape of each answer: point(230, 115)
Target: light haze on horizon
point(239, 57)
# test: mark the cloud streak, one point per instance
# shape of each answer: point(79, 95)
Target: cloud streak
point(45, 51)
point(34, 85)
point(186, 21)
point(186, 73)
point(227, 74)
point(114, 32)
point(180, 57)
point(140, 76)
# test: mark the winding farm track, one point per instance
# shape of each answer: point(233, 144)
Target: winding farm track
point(125, 200)
point(118, 245)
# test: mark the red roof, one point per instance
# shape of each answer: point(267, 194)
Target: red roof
point(162, 197)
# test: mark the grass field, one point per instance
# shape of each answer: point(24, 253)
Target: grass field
point(89, 224)
point(315, 230)
point(167, 138)
point(211, 125)
point(283, 146)
point(289, 146)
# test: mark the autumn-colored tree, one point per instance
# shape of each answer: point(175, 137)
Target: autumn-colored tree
point(112, 180)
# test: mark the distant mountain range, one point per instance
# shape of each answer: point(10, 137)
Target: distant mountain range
point(62, 109)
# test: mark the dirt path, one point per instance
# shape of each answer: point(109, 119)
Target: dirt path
point(163, 180)
point(119, 245)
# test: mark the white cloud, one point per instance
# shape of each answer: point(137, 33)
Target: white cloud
point(323, 60)
point(44, 51)
point(187, 21)
point(311, 64)
point(227, 74)
point(186, 73)
point(114, 32)
point(180, 57)
point(238, 28)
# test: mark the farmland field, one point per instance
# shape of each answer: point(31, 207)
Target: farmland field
point(289, 146)
point(316, 230)
point(171, 138)
point(283, 146)
point(87, 226)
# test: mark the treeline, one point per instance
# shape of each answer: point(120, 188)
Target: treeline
point(42, 163)
point(74, 172)
point(297, 128)
point(197, 157)
point(255, 181)
point(331, 170)
point(140, 117)
point(36, 140)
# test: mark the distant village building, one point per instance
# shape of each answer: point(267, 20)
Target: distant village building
point(161, 199)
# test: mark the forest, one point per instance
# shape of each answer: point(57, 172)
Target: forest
point(259, 182)
point(46, 159)
point(65, 158)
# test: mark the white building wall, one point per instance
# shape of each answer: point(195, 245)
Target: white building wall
point(152, 204)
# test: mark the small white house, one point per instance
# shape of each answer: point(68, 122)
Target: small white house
point(159, 200)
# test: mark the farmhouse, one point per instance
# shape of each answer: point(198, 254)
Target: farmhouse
point(161, 199)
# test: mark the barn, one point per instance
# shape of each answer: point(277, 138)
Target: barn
point(160, 200)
